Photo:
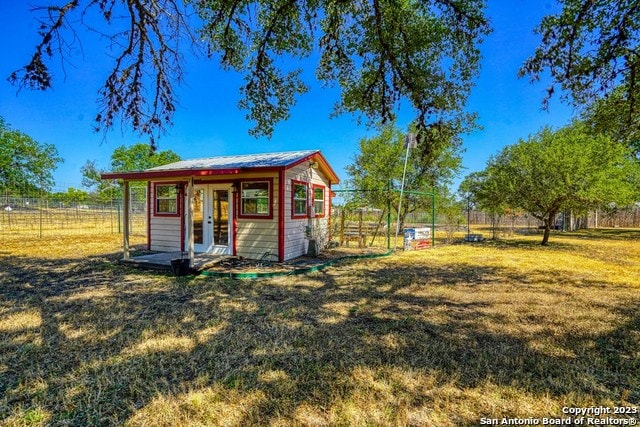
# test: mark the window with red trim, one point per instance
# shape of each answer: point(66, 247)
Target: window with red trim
point(299, 199)
point(318, 200)
point(166, 200)
point(255, 199)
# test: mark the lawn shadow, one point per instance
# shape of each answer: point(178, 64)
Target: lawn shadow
point(530, 244)
point(109, 344)
point(630, 234)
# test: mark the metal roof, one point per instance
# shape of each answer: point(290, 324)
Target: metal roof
point(282, 159)
point(228, 165)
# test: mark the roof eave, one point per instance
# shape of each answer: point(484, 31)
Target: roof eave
point(177, 173)
point(333, 177)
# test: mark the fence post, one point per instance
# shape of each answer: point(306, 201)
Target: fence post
point(119, 223)
point(389, 214)
point(40, 208)
point(342, 226)
point(360, 236)
point(433, 218)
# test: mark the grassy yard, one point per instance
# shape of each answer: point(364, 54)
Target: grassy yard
point(436, 338)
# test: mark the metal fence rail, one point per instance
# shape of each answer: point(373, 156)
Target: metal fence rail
point(31, 216)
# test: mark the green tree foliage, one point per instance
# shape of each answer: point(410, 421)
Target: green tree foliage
point(378, 52)
point(72, 196)
point(450, 212)
point(617, 117)
point(25, 163)
point(590, 48)
point(381, 160)
point(103, 190)
point(483, 192)
point(569, 168)
point(137, 157)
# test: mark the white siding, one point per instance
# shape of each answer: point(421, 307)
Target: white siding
point(255, 237)
point(295, 240)
point(165, 234)
point(165, 231)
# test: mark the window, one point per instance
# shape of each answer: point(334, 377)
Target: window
point(166, 199)
point(255, 199)
point(299, 199)
point(318, 200)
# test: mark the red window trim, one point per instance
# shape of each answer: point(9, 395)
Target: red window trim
point(331, 193)
point(234, 211)
point(324, 199)
point(149, 215)
point(255, 216)
point(295, 182)
point(155, 200)
point(281, 221)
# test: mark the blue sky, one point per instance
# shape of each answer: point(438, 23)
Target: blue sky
point(208, 122)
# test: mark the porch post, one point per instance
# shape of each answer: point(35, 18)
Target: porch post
point(190, 219)
point(125, 220)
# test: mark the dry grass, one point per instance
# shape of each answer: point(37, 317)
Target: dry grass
point(435, 338)
point(52, 222)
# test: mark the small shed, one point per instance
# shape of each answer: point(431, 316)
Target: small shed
point(254, 206)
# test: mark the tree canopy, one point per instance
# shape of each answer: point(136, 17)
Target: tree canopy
point(483, 191)
point(139, 157)
point(136, 157)
point(381, 160)
point(379, 52)
point(24, 162)
point(569, 168)
point(616, 116)
point(590, 48)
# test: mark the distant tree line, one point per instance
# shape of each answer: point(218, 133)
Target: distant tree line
point(27, 166)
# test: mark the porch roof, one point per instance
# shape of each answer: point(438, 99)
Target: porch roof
point(229, 165)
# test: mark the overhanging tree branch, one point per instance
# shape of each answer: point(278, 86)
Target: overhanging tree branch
point(379, 52)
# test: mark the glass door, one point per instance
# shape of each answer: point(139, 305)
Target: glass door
point(199, 230)
point(220, 210)
point(212, 219)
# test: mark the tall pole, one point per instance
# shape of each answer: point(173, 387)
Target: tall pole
point(409, 141)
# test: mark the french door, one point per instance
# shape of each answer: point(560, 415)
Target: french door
point(212, 219)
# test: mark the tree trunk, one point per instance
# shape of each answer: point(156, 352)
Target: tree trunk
point(401, 219)
point(548, 222)
point(495, 221)
point(547, 232)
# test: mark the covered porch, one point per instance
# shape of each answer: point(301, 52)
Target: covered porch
point(198, 260)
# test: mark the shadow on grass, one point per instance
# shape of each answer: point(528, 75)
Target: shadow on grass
point(93, 343)
point(608, 233)
point(555, 242)
point(557, 238)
